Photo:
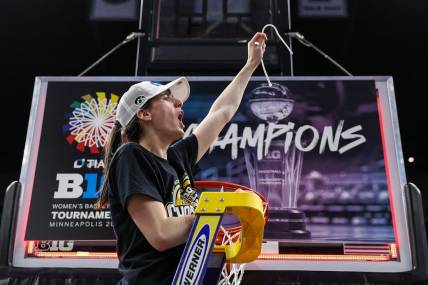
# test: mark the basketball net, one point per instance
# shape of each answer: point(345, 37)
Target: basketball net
point(231, 273)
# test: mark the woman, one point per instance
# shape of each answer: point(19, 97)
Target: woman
point(149, 181)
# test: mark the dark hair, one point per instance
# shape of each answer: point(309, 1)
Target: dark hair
point(118, 135)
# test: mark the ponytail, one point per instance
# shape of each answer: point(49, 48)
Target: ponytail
point(118, 135)
point(113, 142)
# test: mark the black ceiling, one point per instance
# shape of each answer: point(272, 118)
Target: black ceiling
point(53, 38)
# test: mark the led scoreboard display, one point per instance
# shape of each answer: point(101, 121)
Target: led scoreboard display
point(324, 151)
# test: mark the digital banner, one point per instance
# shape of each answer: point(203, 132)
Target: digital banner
point(313, 148)
point(69, 172)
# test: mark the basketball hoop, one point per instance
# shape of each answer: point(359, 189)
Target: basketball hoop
point(231, 273)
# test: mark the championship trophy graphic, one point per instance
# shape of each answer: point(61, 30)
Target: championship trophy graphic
point(277, 174)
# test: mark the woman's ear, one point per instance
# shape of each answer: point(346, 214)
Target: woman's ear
point(144, 115)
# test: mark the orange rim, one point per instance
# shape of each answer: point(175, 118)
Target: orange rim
point(230, 187)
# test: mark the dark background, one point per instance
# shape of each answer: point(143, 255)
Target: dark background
point(58, 38)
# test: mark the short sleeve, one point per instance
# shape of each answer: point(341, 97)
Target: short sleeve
point(187, 149)
point(133, 173)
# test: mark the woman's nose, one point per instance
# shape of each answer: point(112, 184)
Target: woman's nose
point(177, 103)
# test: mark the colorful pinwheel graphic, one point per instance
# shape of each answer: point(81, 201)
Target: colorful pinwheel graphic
point(90, 121)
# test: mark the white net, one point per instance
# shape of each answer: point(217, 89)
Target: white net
point(230, 232)
point(232, 273)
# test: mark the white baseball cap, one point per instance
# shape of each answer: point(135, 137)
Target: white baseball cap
point(138, 95)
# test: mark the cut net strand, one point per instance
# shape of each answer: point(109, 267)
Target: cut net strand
point(282, 40)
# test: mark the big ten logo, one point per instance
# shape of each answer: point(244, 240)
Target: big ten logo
point(75, 185)
point(90, 120)
point(54, 245)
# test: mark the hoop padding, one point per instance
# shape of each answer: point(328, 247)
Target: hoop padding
point(232, 231)
point(232, 273)
point(250, 208)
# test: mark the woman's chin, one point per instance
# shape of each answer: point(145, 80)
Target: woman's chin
point(178, 134)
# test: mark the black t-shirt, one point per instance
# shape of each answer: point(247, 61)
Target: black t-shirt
point(136, 171)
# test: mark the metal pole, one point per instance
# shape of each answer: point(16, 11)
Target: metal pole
point(301, 39)
point(140, 24)
point(290, 40)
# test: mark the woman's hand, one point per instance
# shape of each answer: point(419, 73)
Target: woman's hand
point(256, 48)
point(226, 105)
